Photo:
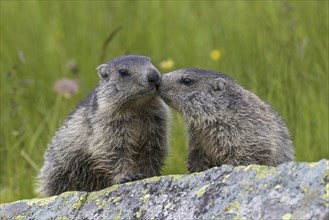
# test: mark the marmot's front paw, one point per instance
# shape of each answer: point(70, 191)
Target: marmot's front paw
point(133, 177)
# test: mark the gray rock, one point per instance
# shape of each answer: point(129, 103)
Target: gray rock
point(290, 191)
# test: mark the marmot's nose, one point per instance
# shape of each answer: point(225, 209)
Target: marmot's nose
point(154, 77)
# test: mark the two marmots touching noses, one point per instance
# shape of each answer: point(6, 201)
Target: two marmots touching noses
point(118, 133)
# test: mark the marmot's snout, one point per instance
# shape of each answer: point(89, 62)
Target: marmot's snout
point(154, 77)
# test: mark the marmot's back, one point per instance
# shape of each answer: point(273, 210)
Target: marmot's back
point(226, 123)
point(119, 131)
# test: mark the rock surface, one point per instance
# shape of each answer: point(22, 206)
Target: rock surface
point(289, 191)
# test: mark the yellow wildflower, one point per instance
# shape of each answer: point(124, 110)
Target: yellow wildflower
point(167, 64)
point(215, 54)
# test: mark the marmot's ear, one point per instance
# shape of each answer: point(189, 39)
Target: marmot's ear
point(219, 84)
point(103, 71)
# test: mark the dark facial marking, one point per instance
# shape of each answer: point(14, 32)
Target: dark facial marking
point(154, 77)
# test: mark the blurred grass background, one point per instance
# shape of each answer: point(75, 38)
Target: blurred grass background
point(277, 49)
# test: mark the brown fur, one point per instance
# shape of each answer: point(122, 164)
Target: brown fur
point(119, 131)
point(226, 123)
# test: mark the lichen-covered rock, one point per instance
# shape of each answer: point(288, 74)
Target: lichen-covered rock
point(289, 191)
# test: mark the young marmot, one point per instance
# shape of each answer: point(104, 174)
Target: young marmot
point(119, 131)
point(226, 124)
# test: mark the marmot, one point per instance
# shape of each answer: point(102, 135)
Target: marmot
point(226, 124)
point(119, 131)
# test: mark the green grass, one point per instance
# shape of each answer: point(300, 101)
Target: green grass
point(278, 50)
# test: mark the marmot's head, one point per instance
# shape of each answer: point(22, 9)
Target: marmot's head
point(199, 93)
point(127, 81)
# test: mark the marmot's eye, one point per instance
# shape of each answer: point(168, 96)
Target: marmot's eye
point(186, 81)
point(123, 72)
